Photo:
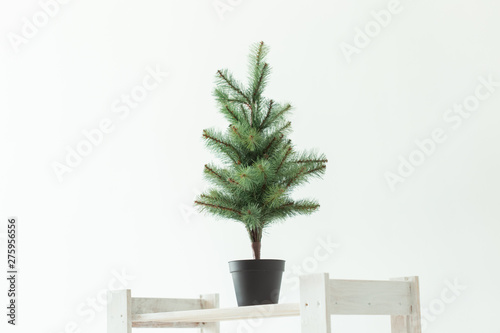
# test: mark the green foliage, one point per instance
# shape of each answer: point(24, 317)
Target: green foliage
point(260, 165)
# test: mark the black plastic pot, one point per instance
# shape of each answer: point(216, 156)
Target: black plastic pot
point(257, 281)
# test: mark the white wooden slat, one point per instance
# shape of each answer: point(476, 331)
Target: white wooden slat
point(314, 304)
point(415, 316)
point(119, 318)
point(141, 305)
point(210, 301)
point(151, 305)
point(215, 315)
point(369, 297)
point(151, 324)
point(400, 324)
point(410, 323)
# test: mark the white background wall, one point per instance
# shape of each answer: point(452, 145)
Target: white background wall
point(127, 205)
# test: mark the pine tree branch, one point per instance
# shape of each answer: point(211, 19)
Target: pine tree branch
point(268, 146)
point(259, 53)
point(287, 125)
point(267, 115)
point(259, 82)
point(285, 109)
point(212, 171)
point(229, 83)
point(305, 207)
point(295, 177)
point(232, 113)
point(208, 136)
point(312, 161)
point(218, 207)
point(261, 168)
point(271, 143)
point(235, 130)
point(316, 169)
point(251, 113)
point(286, 205)
point(276, 195)
point(244, 112)
point(289, 150)
point(236, 101)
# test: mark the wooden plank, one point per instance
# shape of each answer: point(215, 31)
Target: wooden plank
point(411, 322)
point(415, 316)
point(142, 305)
point(210, 301)
point(354, 297)
point(314, 304)
point(119, 312)
point(153, 305)
point(151, 324)
point(215, 315)
point(399, 324)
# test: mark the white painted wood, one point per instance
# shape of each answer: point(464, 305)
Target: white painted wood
point(119, 311)
point(320, 297)
point(314, 303)
point(353, 297)
point(215, 315)
point(210, 301)
point(415, 317)
point(161, 305)
point(399, 324)
point(152, 305)
point(152, 324)
point(410, 323)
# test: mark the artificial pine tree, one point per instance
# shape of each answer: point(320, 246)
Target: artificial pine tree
point(260, 165)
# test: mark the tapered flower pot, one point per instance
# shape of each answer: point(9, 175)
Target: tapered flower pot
point(257, 281)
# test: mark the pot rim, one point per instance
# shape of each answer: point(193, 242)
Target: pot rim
point(240, 260)
point(247, 265)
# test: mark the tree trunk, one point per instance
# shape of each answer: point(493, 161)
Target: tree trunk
point(256, 250)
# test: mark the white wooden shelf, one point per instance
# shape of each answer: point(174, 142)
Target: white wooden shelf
point(216, 315)
point(320, 298)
